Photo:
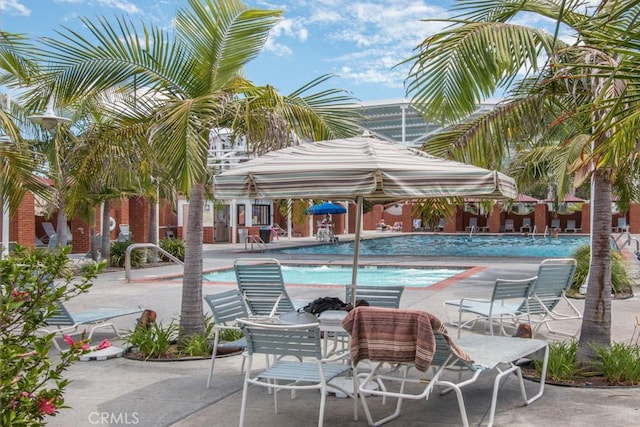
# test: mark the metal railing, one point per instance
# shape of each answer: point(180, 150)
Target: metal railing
point(258, 241)
point(130, 248)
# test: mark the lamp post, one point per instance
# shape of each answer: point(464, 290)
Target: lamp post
point(5, 210)
point(49, 120)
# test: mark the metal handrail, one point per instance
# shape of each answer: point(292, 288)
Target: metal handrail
point(258, 240)
point(130, 248)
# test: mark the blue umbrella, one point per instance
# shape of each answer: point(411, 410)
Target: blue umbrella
point(326, 208)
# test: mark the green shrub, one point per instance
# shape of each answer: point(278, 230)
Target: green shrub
point(621, 282)
point(562, 365)
point(620, 364)
point(31, 382)
point(174, 246)
point(118, 252)
point(154, 341)
point(198, 344)
point(160, 342)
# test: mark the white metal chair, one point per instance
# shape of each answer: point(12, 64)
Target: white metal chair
point(622, 225)
point(226, 307)
point(636, 329)
point(306, 370)
point(553, 280)
point(509, 301)
point(262, 286)
point(571, 226)
point(404, 345)
point(125, 233)
point(376, 296)
point(509, 226)
point(473, 224)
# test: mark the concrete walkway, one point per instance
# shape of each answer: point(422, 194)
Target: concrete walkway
point(126, 392)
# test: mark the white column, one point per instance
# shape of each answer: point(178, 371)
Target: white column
point(5, 228)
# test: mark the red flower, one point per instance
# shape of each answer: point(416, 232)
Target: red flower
point(47, 406)
point(104, 344)
point(69, 340)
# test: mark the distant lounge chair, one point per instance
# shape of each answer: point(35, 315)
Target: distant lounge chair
point(441, 224)
point(417, 224)
point(509, 226)
point(397, 226)
point(555, 224)
point(281, 231)
point(473, 224)
point(125, 233)
point(571, 226)
point(64, 321)
point(49, 232)
point(526, 224)
point(622, 225)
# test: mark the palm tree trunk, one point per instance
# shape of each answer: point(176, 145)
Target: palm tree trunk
point(61, 224)
point(596, 325)
point(192, 310)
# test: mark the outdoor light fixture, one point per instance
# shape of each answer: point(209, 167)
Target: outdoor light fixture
point(49, 119)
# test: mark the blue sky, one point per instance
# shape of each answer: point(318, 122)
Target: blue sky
point(358, 41)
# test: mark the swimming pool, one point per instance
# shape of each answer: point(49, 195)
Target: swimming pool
point(341, 275)
point(453, 245)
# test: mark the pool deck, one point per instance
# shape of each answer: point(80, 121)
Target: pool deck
point(126, 392)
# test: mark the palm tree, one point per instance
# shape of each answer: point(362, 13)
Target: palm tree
point(18, 160)
point(195, 74)
point(563, 94)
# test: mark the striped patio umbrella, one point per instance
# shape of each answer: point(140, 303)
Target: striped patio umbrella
point(358, 167)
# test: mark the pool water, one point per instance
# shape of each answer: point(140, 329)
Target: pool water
point(338, 275)
point(454, 245)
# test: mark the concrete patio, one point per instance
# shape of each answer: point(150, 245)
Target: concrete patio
point(127, 392)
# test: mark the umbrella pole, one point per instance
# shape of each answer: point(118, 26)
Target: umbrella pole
point(356, 248)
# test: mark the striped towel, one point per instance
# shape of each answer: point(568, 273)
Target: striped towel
point(396, 336)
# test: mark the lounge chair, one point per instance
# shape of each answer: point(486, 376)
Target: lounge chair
point(49, 232)
point(261, 284)
point(526, 224)
point(509, 301)
point(636, 332)
point(473, 224)
point(66, 322)
point(622, 225)
point(554, 279)
point(417, 225)
point(125, 233)
point(51, 235)
point(397, 226)
point(305, 370)
point(397, 340)
point(555, 224)
point(441, 225)
point(509, 226)
point(571, 226)
point(226, 307)
point(281, 231)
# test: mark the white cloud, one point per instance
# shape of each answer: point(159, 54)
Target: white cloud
point(14, 7)
point(121, 5)
point(378, 34)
